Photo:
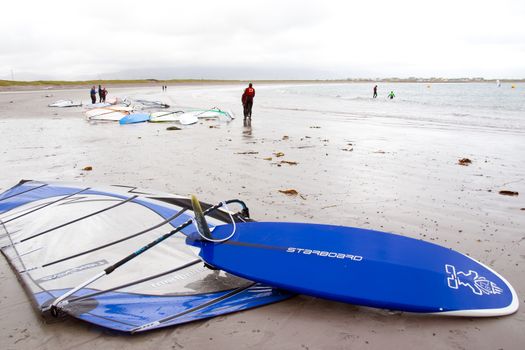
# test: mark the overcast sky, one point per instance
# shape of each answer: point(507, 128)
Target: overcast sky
point(252, 39)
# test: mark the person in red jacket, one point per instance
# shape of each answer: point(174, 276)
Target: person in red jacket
point(247, 101)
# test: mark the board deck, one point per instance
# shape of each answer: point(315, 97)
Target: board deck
point(212, 113)
point(165, 117)
point(105, 114)
point(359, 266)
point(65, 103)
point(188, 119)
point(134, 118)
point(96, 105)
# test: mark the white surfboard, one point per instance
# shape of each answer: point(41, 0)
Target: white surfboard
point(65, 103)
point(105, 114)
point(165, 116)
point(188, 118)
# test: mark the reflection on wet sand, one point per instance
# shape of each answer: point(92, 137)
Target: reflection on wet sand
point(247, 130)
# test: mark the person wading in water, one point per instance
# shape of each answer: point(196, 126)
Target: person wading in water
point(247, 101)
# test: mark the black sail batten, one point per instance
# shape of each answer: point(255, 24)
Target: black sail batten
point(90, 295)
point(47, 204)
point(110, 319)
point(167, 286)
point(55, 306)
point(28, 190)
point(7, 234)
point(13, 211)
point(196, 308)
point(118, 240)
point(78, 219)
point(23, 265)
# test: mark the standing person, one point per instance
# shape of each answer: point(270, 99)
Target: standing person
point(247, 101)
point(104, 94)
point(391, 95)
point(375, 91)
point(100, 93)
point(93, 94)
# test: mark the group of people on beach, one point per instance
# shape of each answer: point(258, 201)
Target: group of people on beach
point(102, 93)
point(390, 95)
point(246, 99)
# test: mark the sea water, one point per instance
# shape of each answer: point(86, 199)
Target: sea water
point(475, 105)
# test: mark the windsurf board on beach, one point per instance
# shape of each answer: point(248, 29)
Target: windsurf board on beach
point(212, 113)
point(134, 118)
point(109, 113)
point(65, 103)
point(188, 118)
point(96, 105)
point(145, 104)
point(105, 114)
point(121, 108)
point(165, 116)
point(359, 266)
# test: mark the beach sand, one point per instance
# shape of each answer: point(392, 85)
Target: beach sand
point(370, 172)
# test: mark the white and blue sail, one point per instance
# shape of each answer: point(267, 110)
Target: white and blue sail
point(56, 236)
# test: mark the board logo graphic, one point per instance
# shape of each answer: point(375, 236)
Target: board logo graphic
point(479, 285)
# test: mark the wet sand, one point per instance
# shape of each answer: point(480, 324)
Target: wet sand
point(371, 172)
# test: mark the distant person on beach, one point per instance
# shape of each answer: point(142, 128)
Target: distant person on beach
point(93, 94)
point(391, 95)
point(100, 93)
point(104, 94)
point(375, 91)
point(247, 101)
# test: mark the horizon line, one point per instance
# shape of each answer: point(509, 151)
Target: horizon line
point(7, 82)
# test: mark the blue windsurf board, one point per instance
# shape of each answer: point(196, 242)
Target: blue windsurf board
point(359, 266)
point(135, 118)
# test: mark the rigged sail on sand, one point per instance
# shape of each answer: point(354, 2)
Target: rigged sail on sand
point(56, 236)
